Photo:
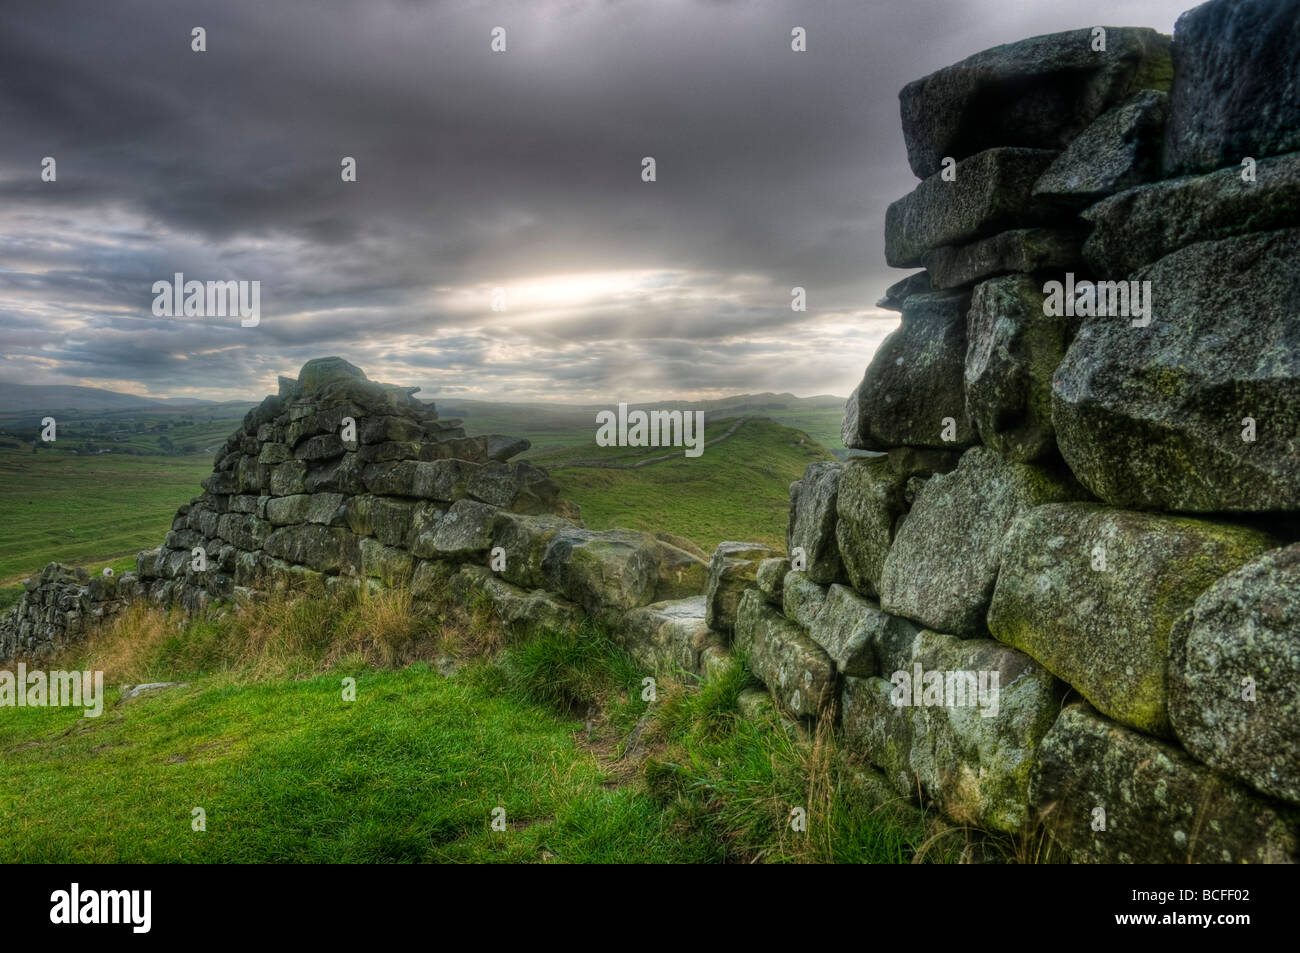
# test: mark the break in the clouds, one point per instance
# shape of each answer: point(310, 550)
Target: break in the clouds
point(476, 170)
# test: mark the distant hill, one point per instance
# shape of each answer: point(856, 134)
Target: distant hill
point(553, 425)
point(25, 398)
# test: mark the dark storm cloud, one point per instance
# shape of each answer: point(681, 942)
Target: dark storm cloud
point(476, 170)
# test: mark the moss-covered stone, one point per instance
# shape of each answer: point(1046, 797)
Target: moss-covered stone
point(912, 393)
point(794, 667)
point(944, 559)
point(1234, 675)
point(973, 754)
point(1199, 410)
point(1093, 593)
point(1112, 796)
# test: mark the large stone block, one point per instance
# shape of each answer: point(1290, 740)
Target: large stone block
point(389, 564)
point(443, 480)
point(286, 510)
point(1141, 225)
point(859, 638)
point(901, 290)
point(770, 578)
point(794, 667)
point(524, 539)
point(872, 498)
point(320, 372)
point(1118, 151)
point(1234, 674)
point(1154, 416)
point(385, 428)
point(668, 635)
point(517, 487)
point(424, 529)
point(320, 548)
point(340, 475)
point(812, 521)
point(287, 478)
point(912, 393)
point(944, 560)
point(732, 569)
point(1236, 84)
point(601, 571)
point(388, 520)
point(1040, 92)
point(519, 609)
point(242, 529)
point(465, 531)
point(992, 192)
point(321, 447)
point(801, 598)
point(1160, 806)
point(1093, 592)
point(1012, 350)
point(970, 739)
point(1019, 250)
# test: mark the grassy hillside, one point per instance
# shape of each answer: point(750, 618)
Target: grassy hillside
point(87, 509)
point(550, 426)
point(738, 489)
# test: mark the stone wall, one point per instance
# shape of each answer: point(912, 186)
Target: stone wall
point(1097, 505)
point(58, 607)
point(1084, 523)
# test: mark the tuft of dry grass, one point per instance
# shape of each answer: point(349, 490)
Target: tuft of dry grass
point(294, 635)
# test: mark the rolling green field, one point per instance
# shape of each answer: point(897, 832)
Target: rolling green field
point(738, 489)
point(87, 510)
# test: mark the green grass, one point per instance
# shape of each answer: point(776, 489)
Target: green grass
point(88, 510)
point(739, 489)
point(288, 771)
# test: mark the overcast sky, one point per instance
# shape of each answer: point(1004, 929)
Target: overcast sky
point(475, 170)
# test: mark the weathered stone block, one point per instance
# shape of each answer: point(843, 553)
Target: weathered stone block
point(1142, 225)
point(1012, 350)
point(1039, 92)
point(811, 527)
point(613, 569)
point(872, 498)
point(992, 192)
point(944, 560)
point(1093, 593)
point(970, 740)
point(793, 666)
point(1198, 410)
point(732, 569)
point(912, 393)
point(1160, 806)
point(1119, 150)
point(1237, 84)
point(1019, 250)
point(1234, 674)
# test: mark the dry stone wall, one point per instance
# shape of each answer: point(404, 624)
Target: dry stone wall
point(1063, 586)
point(1106, 518)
